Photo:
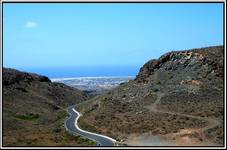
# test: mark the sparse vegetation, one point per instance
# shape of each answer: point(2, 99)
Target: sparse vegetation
point(190, 82)
point(28, 116)
point(34, 111)
point(184, 79)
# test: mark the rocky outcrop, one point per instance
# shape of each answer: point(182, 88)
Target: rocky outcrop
point(12, 76)
point(210, 57)
point(178, 84)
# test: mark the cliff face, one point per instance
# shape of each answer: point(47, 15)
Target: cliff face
point(34, 109)
point(170, 94)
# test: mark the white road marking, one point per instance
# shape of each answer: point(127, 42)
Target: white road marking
point(113, 140)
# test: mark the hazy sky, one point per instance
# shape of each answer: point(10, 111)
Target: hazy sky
point(64, 35)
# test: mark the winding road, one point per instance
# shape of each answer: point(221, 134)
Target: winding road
point(72, 127)
point(102, 140)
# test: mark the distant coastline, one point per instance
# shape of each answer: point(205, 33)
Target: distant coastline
point(90, 77)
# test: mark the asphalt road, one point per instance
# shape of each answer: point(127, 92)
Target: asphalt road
point(71, 126)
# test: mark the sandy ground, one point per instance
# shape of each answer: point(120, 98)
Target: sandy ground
point(147, 139)
point(185, 137)
point(189, 137)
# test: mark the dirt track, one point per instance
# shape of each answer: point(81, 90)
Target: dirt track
point(210, 121)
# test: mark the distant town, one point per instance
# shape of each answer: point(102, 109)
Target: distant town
point(94, 84)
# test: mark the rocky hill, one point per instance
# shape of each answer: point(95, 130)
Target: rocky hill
point(178, 97)
point(34, 110)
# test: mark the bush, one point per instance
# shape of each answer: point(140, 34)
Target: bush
point(28, 116)
point(57, 130)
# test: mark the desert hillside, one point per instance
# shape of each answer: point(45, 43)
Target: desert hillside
point(34, 110)
point(178, 97)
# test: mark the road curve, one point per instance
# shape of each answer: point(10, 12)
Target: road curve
point(71, 126)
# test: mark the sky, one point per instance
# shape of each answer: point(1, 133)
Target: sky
point(94, 35)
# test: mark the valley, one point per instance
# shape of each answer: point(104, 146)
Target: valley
point(176, 100)
point(112, 74)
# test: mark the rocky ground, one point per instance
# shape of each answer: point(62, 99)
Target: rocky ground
point(34, 111)
point(178, 96)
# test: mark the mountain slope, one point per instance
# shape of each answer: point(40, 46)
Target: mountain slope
point(178, 96)
point(34, 110)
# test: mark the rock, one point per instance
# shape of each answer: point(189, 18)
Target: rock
point(12, 76)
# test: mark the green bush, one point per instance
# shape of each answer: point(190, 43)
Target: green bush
point(28, 116)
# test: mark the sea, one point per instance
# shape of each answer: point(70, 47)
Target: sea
point(71, 72)
point(96, 79)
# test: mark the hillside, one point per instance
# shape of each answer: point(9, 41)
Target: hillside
point(34, 110)
point(178, 97)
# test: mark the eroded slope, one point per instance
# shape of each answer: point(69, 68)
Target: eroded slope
point(178, 96)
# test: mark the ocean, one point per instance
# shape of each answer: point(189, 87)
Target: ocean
point(68, 72)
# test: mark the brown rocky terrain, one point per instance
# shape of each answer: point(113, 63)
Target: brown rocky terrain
point(34, 110)
point(178, 96)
